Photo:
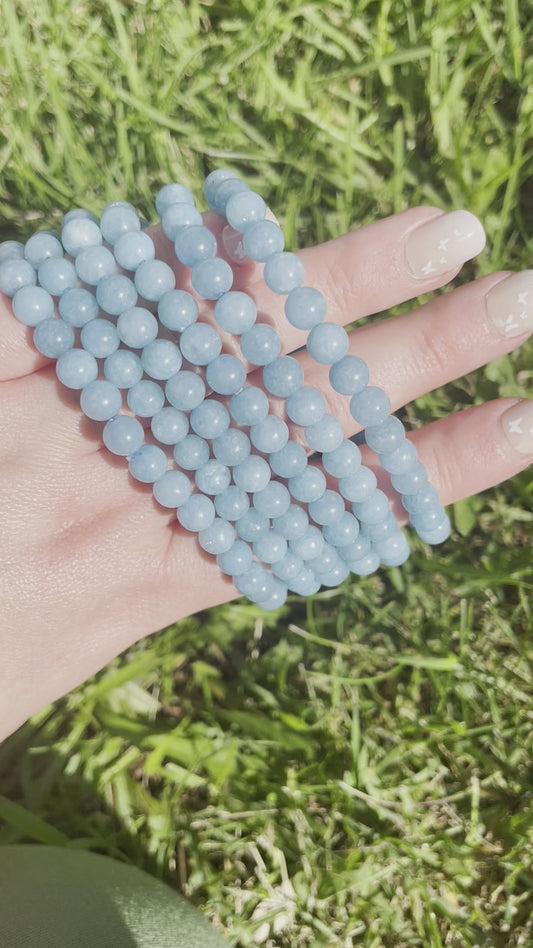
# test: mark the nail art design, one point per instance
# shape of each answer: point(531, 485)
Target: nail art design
point(517, 423)
point(444, 243)
point(510, 304)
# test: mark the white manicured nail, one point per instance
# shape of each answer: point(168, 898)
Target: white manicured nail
point(510, 304)
point(443, 244)
point(517, 423)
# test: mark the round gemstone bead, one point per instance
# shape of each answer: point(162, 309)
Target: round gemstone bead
point(57, 276)
point(273, 501)
point(260, 344)
point(76, 368)
point(217, 538)
point(52, 337)
point(342, 532)
point(283, 272)
point(244, 208)
point(335, 576)
point(292, 524)
point(123, 435)
point(325, 435)
point(429, 518)
point(288, 567)
point(11, 250)
point(289, 460)
point(191, 453)
point(305, 307)
point(15, 274)
point(370, 407)
point(197, 513)
point(283, 376)
point(145, 398)
point(177, 309)
point(305, 583)
point(366, 565)
point(356, 550)
point(115, 294)
point(134, 248)
point(32, 304)
point(386, 437)
point(237, 560)
point(308, 546)
point(225, 374)
point(148, 464)
point(172, 489)
point(223, 191)
point(153, 279)
point(235, 312)
point(80, 233)
point(426, 497)
point(262, 239)
point(43, 246)
point(210, 419)
point(269, 435)
point(95, 264)
point(161, 359)
point(327, 343)
point(77, 307)
point(100, 337)
point(78, 213)
point(172, 194)
point(327, 509)
point(376, 532)
point(213, 179)
point(232, 503)
point(359, 486)
point(231, 447)
point(326, 561)
point(400, 460)
point(308, 486)
point(200, 344)
point(394, 550)
point(212, 278)
point(349, 375)
point(342, 461)
point(137, 327)
point(100, 400)
point(118, 218)
point(212, 478)
point(178, 215)
point(373, 510)
point(307, 406)
point(249, 407)
point(252, 474)
point(185, 390)
point(193, 244)
point(169, 425)
point(252, 525)
point(256, 583)
point(271, 548)
point(438, 534)
point(411, 481)
point(123, 368)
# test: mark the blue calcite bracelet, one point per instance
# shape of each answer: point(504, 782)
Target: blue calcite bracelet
point(259, 501)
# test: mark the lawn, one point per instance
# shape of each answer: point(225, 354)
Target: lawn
point(357, 768)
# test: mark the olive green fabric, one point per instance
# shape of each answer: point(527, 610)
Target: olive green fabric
point(64, 898)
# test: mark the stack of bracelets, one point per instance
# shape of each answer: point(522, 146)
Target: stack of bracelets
point(256, 496)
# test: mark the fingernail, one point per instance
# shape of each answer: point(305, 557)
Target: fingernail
point(510, 304)
point(232, 240)
point(444, 243)
point(517, 423)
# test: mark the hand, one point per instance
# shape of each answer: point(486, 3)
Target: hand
point(89, 562)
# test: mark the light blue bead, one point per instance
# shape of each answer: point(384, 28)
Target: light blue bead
point(137, 327)
point(306, 583)
point(377, 532)
point(327, 560)
point(200, 344)
point(411, 481)
point(356, 550)
point(212, 278)
point(366, 565)
point(57, 276)
point(335, 577)
point(343, 531)
point(349, 375)
point(288, 567)
point(374, 509)
point(77, 307)
point(169, 425)
point(115, 294)
point(123, 435)
point(249, 407)
point(327, 509)
point(185, 390)
point(197, 513)
point(438, 534)
point(232, 503)
point(100, 337)
point(123, 368)
point(193, 244)
point(394, 550)
point(325, 435)
point(269, 435)
point(78, 213)
point(358, 486)
point(118, 218)
point(371, 406)
point(273, 501)
point(80, 233)
point(400, 460)
point(148, 464)
point(307, 406)
point(177, 309)
point(191, 453)
point(218, 538)
point(43, 246)
point(100, 400)
point(173, 489)
point(342, 461)
point(252, 525)
point(245, 208)
point(289, 461)
point(308, 486)
point(15, 274)
point(52, 337)
point(305, 307)
point(177, 216)
point(271, 548)
point(212, 478)
point(309, 545)
point(95, 264)
point(235, 312)
point(11, 250)
point(210, 419)
point(252, 474)
point(225, 374)
point(428, 519)
point(224, 191)
point(262, 239)
point(214, 179)
point(255, 583)
point(231, 447)
point(237, 560)
point(76, 368)
point(283, 272)
point(145, 398)
point(292, 524)
point(417, 503)
point(134, 248)
point(386, 437)
point(327, 343)
point(283, 376)
point(153, 279)
point(32, 304)
point(172, 194)
point(161, 359)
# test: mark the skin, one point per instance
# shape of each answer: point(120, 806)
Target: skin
point(89, 563)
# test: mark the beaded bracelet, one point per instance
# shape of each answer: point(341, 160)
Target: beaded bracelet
point(257, 524)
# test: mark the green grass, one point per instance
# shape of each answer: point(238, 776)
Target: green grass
point(356, 770)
